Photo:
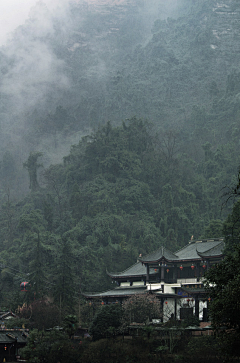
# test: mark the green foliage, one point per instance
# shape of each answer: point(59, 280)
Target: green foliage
point(64, 280)
point(120, 192)
point(109, 350)
point(106, 322)
point(17, 322)
point(223, 282)
point(190, 321)
point(52, 346)
point(231, 227)
point(162, 349)
point(228, 345)
point(214, 229)
point(131, 185)
point(70, 324)
point(205, 346)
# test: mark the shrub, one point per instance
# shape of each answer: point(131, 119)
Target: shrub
point(106, 322)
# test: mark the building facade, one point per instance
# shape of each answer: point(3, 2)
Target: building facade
point(177, 279)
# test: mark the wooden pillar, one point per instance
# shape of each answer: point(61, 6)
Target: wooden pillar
point(197, 271)
point(174, 273)
point(147, 272)
point(197, 307)
point(175, 309)
point(162, 273)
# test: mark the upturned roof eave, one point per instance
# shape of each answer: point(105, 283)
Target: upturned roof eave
point(177, 261)
point(137, 290)
point(116, 276)
point(202, 255)
point(185, 259)
point(161, 254)
point(145, 291)
point(157, 261)
point(93, 294)
point(123, 274)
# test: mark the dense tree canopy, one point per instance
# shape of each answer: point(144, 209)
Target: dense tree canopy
point(125, 187)
point(224, 283)
point(106, 322)
point(121, 191)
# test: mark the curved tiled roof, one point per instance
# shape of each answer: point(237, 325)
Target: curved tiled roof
point(119, 292)
point(213, 252)
point(12, 335)
point(138, 269)
point(161, 253)
point(192, 251)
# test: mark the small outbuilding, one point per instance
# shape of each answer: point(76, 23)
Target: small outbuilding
point(11, 340)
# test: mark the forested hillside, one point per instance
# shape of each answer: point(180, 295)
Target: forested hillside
point(120, 192)
point(147, 94)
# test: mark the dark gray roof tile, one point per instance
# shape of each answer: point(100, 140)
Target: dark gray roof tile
point(10, 335)
point(214, 251)
point(157, 255)
point(137, 269)
point(192, 250)
point(119, 292)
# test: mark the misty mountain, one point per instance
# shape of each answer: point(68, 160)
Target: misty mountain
point(119, 133)
point(68, 70)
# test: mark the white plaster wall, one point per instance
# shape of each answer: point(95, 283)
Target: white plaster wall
point(168, 309)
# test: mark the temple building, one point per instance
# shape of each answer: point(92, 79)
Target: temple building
point(177, 279)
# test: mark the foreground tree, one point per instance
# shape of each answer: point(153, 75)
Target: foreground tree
point(223, 283)
point(223, 286)
point(223, 280)
point(141, 309)
point(231, 228)
point(53, 346)
point(32, 227)
point(106, 322)
point(40, 314)
point(32, 167)
point(70, 324)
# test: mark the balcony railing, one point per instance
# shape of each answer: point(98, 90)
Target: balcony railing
point(188, 280)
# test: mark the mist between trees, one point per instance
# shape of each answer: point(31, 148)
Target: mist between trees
point(167, 78)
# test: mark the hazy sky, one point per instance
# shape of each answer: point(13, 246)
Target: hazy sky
point(14, 13)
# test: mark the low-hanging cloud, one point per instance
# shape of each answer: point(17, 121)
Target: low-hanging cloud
point(32, 67)
point(33, 70)
point(14, 13)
